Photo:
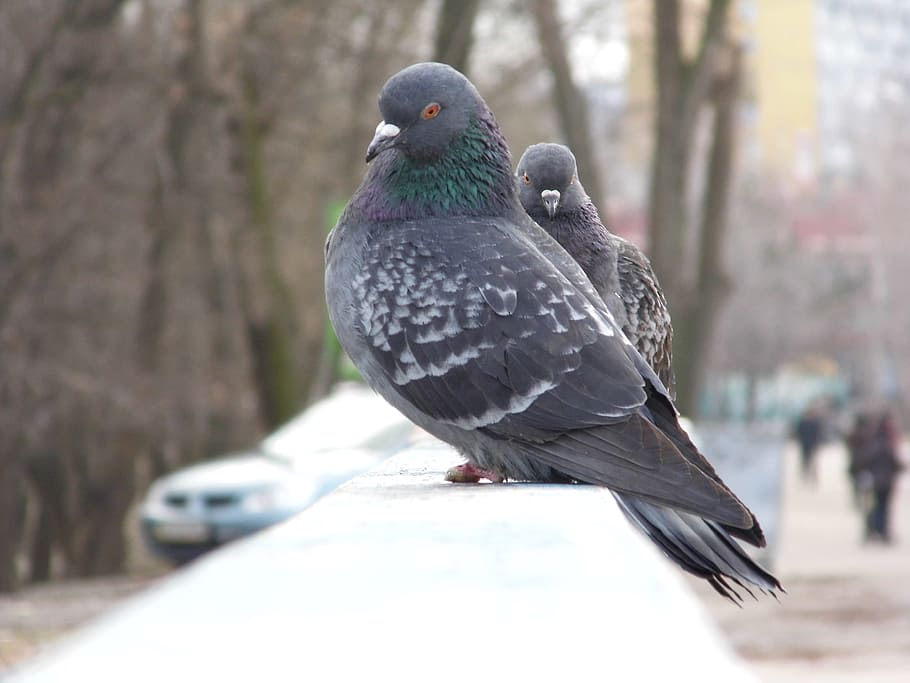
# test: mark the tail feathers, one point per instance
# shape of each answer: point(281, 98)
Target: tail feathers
point(753, 535)
point(663, 415)
point(700, 546)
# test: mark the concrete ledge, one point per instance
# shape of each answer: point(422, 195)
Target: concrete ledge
point(401, 576)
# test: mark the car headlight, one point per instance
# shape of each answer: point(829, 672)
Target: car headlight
point(154, 496)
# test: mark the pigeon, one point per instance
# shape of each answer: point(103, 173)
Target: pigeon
point(552, 194)
point(480, 328)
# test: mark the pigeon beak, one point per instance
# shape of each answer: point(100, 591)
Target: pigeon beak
point(551, 201)
point(383, 139)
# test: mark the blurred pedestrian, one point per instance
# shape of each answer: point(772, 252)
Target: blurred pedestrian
point(808, 433)
point(883, 467)
point(859, 441)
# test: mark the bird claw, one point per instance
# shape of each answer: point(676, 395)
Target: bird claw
point(466, 473)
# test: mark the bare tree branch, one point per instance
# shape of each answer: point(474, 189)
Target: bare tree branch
point(696, 330)
point(571, 104)
point(681, 94)
point(696, 75)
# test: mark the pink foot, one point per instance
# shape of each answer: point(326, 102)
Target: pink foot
point(468, 473)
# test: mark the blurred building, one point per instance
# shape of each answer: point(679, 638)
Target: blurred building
point(814, 69)
point(826, 93)
point(778, 37)
point(822, 69)
point(862, 50)
point(831, 83)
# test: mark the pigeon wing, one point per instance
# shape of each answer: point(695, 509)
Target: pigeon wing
point(478, 329)
point(646, 309)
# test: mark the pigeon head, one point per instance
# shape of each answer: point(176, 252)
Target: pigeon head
point(425, 108)
point(437, 152)
point(548, 184)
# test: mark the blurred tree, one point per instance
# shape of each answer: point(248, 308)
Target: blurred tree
point(168, 168)
point(694, 337)
point(268, 305)
point(188, 261)
point(753, 341)
point(570, 102)
point(455, 33)
point(65, 48)
point(694, 287)
point(16, 87)
point(12, 512)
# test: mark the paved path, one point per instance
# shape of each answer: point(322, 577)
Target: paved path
point(846, 616)
point(40, 614)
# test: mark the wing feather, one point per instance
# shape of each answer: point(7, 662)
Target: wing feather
point(479, 329)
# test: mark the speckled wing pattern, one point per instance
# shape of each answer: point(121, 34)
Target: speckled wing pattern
point(472, 331)
point(648, 324)
point(476, 328)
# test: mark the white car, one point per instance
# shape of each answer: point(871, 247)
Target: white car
point(200, 507)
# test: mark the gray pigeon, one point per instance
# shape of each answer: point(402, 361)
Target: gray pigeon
point(552, 194)
point(472, 321)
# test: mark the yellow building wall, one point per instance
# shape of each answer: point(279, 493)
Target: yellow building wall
point(780, 74)
point(783, 64)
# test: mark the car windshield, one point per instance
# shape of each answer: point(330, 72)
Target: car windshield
point(351, 418)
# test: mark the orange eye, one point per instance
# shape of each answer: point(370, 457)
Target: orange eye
point(526, 178)
point(430, 111)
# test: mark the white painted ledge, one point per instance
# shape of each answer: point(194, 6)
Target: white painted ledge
point(400, 576)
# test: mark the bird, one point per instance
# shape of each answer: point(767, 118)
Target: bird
point(553, 196)
point(471, 320)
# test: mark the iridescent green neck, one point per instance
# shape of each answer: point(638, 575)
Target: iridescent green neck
point(473, 178)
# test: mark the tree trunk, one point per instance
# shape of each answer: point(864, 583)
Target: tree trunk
point(571, 103)
point(12, 518)
point(42, 547)
point(100, 547)
point(455, 33)
point(48, 477)
point(265, 297)
point(668, 166)
point(187, 275)
point(682, 86)
point(713, 283)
